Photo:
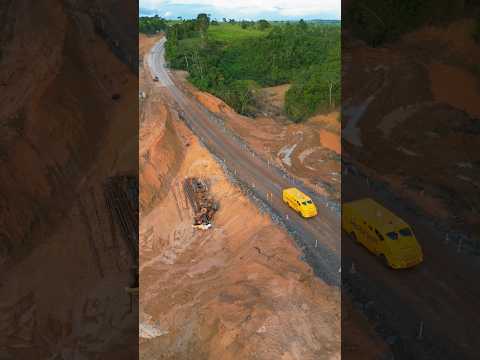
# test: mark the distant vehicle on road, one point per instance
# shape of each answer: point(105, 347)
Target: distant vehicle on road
point(382, 232)
point(155, 78)
point(299, 202)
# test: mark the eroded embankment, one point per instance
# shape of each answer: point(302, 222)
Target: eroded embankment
point(238, 290)
point(309, 151)
point(235, 291)
point(62, 134)
point(428, 83)
point(160, 148)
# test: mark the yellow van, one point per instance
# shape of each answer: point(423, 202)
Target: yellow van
point(299, 202)
point(381, 232)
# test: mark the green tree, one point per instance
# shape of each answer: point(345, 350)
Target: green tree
point(151, 25)
point(263, 24)
point(233, 69)
point(302, 25)
point(380, 21)
point(476, 30)
point(203, 21)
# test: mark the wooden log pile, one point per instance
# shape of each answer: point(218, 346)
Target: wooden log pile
point(203, 205)
point(121, 195)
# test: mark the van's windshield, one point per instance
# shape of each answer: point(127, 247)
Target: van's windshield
point(392, 235)
point(405, 232)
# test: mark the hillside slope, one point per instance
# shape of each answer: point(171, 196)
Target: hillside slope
point(239, 290)
point(62, 134)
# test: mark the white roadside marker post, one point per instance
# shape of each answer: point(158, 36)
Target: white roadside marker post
point(420, 331)
point(352, 268)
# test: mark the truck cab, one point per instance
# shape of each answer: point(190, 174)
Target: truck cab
point(382, 232)
point(299, 202)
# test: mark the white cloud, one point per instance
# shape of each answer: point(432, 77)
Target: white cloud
point(167, 13)
point(282, 7)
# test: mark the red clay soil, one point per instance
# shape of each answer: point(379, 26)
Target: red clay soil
point(63, 270)
point(424, 82)
point(309, 150)
point(238, 290)
point(435, 92)
point(359, 340)
point(160, 148)
point(235, 291)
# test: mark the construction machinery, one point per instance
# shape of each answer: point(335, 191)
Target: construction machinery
point(203, 205)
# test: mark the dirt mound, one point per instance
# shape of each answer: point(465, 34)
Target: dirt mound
point(60, 139)
point(145, 43)
point(271, 101)
point(160, 147)
point(445, 78)
point(456, 39)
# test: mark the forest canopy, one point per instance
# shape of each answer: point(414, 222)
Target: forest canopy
point(380, 21)
point(232, 60)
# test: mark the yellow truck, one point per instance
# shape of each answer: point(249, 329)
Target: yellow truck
point(382, 233)
point(299, 202)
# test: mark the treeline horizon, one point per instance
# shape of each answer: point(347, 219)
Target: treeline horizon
point(380, 21)
point(238, 20)
point(304, 55)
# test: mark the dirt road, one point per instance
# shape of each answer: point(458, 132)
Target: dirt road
point(319, 237)
point(441, 295)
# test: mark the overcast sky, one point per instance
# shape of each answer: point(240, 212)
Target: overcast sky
point(244, 9)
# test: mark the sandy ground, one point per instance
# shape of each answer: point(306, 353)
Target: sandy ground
point(310, 151)
point(359, 340)
point(236, 291)
point(63, 276)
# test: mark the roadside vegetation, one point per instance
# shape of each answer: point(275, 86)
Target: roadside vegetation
point(380, 21)
point(476, 30)
point(234, 59)
point(151, 25)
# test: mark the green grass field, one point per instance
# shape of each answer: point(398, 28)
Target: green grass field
point(230, 33)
